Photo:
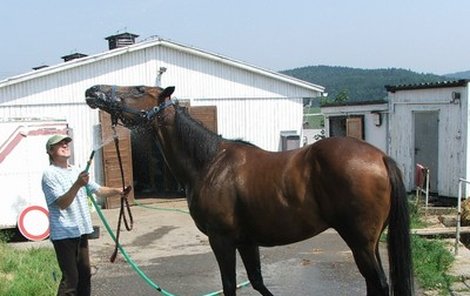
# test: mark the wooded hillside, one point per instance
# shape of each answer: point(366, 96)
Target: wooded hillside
point(459, 75)
point(359, 84)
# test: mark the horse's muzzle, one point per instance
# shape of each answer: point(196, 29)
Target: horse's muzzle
point(95, 97)
point(91, 102)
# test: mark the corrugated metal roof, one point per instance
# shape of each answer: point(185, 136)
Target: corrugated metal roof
point(355, 103)
point(157, 41)
point(439, 84)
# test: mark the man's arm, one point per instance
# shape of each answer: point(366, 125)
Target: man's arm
point(66, 200)
point(108, 191)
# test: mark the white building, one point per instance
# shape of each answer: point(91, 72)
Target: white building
point(429, 125)
point(424, 124)
point(251, 103)
point(364, 120)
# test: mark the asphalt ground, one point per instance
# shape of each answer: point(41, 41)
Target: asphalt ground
point(171, 252)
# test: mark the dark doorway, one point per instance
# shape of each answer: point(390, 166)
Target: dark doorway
point(152, 177)
point(426, 150)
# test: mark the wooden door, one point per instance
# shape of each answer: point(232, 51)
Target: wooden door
point(111, 168)
point(207, 115)
point(354, 127)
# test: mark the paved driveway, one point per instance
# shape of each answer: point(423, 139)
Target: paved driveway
point(175, 255)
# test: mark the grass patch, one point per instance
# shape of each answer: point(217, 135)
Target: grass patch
point(27, 272)
point(431, 258)
point(415, 218)
point(431, 261)
point(314, 118)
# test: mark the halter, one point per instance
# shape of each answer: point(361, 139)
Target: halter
point(144, 116)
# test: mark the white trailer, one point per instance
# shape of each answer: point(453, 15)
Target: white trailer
point(23, 158)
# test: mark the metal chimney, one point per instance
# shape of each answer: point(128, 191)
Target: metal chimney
point(121, 40)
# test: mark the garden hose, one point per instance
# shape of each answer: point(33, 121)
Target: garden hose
point(110, 231)
point(132, 262)
point(123, 251)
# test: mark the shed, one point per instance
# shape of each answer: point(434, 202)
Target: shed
point(238, 99)
point(366, 120)
point(428, 125)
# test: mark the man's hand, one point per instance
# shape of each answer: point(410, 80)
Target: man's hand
point(65, 200)
point(126, 191)
point(83, 179)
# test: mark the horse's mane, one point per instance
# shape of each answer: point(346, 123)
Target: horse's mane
point(201, 143)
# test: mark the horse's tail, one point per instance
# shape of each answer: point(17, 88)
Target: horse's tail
point(398, 239)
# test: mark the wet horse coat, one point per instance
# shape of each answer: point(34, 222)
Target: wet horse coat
point(243, 197)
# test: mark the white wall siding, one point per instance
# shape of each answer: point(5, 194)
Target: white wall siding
point(258, 120)
point(452, 134)
point(466, 135)
point(193, 76)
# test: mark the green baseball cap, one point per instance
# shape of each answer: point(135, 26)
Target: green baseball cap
point(56, 139)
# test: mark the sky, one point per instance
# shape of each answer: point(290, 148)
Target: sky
point(425, 36)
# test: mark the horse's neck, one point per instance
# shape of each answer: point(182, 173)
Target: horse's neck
point(173, 153)
point(177, 157)
point(187, 145)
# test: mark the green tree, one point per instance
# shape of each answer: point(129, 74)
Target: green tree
point(342, 97)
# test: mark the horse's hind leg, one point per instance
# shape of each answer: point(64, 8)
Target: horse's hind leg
point(367, 258)
point(251, 260)
point(365, 248)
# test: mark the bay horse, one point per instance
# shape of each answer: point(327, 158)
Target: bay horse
point(243, 197)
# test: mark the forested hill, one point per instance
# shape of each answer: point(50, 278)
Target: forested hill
point(359, 84)
point(459, 75)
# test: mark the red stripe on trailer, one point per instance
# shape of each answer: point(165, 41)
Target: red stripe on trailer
point(17, 136)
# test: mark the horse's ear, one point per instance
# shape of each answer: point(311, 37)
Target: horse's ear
point(166, 92)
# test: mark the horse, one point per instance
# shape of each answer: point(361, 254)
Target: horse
point(243, 197)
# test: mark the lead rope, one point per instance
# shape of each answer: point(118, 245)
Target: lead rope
point(124, 202)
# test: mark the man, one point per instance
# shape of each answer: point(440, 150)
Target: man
point(64, 187)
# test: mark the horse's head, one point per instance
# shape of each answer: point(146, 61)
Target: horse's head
point(132, 105)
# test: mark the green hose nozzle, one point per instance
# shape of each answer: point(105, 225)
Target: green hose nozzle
point(89, 161)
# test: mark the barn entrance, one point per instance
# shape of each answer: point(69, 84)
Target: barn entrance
point(426, 138)
point(143, 162)
point(152, 177)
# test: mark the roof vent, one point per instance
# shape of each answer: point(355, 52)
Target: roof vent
point(40, 67)
point(73, 56)
point(121, 40)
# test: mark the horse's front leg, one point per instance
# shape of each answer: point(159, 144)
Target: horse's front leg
point(251, 260)
point(224, 251)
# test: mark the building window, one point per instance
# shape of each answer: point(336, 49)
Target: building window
point(351, 126)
